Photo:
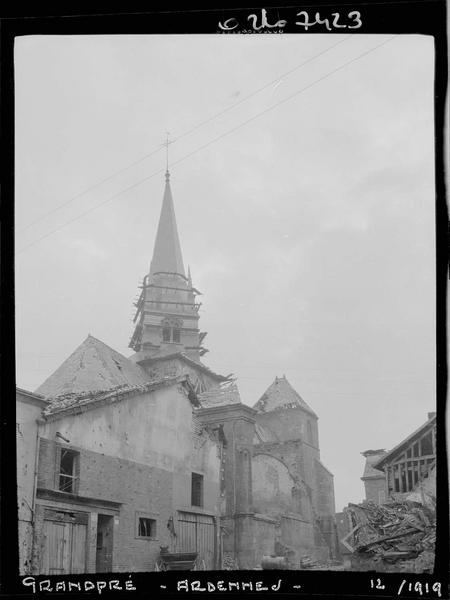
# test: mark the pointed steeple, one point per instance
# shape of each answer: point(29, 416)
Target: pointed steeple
point(167, 312)
point(280, 394)
point(167, 257)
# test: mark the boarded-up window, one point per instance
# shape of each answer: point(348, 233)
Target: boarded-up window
point(197, 490)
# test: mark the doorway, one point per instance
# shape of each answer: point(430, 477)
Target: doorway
point(64, 542)
point(103, 562)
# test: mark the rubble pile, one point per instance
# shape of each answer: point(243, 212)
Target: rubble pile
point(308, 563)
point(401, 533)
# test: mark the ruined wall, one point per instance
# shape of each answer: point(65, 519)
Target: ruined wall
point(237, 466)
point(154, 429)
point(142, 491)
point(28, 410)
point(291, 453)
point(375, 489)
point(298, 535)
point(255, 537)
point(307, 525)
point(291, 423)
point(325, 491)
point(175, 367)
point(273, 487)
point(139, 452)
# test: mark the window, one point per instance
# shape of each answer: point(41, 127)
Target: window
point(68, 467)
point(146, 527)
point(197, 490)
point(381, 496)
point(171, 334)
point(171, 330)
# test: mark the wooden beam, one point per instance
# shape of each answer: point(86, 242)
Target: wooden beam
point(407, 460)
point(400, 483)
point(344, 539)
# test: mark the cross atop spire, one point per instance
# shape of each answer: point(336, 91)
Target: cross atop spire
point(166, 144)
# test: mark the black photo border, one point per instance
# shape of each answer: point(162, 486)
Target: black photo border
point(426, 17)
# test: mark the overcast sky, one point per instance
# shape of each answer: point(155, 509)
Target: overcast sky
point(309, 230)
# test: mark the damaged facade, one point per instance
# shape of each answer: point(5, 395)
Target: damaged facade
point(394, 529)
point(126, 461)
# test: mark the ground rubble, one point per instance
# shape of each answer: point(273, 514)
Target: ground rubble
point(397, 536)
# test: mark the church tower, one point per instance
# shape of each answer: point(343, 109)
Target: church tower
point(167, 312)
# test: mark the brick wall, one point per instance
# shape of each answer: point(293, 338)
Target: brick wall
point(141, 490)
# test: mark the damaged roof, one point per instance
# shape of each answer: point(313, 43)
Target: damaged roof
point(263, 435)
point(428, 425)
point(281, 395)
point(142, 357)
point(93, 367)
point(372, 457)
point(73, 403)
point(226, 393)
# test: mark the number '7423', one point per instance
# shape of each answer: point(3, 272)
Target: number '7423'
point(353, 20)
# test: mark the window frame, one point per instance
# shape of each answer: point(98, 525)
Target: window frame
point(153, 526)
point(201, 481)
point(75, 477)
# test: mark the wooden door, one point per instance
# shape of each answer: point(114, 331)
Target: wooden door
point(78, 549)
point(56, 554)
point(64, 543)
point(196, 533)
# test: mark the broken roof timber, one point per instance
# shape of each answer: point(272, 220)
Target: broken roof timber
point(79, 403)
point(418, 433)
point(180, 355)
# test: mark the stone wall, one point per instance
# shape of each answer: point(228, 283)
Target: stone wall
point(28, 410)
point(325, 491)
point(373, 487)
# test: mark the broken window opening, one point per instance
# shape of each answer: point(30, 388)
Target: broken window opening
point(146, 527)
point(197, 490)
point(68, 467)
point(176, 336)
point(166, 334)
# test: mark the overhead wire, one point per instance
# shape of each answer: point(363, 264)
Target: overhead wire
point(182, 136)
point(207, 144)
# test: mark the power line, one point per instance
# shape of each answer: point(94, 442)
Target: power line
point(183, 135)
point(277, 79)
point(213, 141)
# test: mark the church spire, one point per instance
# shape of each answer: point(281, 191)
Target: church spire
point(166, 320)
point(167, 257)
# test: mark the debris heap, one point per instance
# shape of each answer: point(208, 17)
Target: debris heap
point(398, 536)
